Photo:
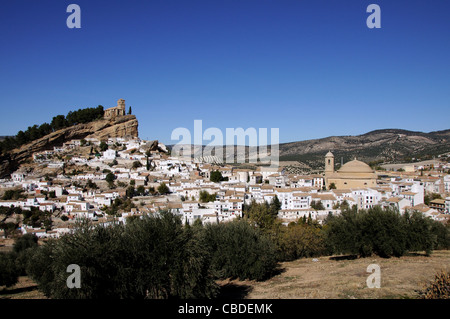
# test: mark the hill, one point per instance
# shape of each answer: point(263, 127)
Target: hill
point(388, 146)
point(102, 129)
point(379, 146)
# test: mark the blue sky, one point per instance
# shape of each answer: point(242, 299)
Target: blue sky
point(311, 68)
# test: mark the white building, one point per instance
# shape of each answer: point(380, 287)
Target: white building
point(366, 197)
point(205, 215)
point(447, 183)
point(18, 177)
point(399, 203)
point(109, 155)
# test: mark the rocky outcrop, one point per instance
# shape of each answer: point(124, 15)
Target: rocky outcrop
point(155, 146)
point(123, 126)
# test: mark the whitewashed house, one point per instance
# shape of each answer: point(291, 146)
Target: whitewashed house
point(109, 155)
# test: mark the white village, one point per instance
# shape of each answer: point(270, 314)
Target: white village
point(152, 180)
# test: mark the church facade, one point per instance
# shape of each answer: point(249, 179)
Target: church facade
point(353, 174)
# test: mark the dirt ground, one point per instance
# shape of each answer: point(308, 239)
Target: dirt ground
point(24, 289)
point(317, 278)
point(327, 278)
point(6, 245)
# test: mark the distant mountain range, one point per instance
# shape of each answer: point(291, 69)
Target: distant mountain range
point(387, 145)
point(379, 146)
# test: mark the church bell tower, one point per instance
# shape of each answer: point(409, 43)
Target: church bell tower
point(121, 105)
point(329, 163)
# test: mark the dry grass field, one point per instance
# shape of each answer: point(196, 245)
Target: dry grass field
point(330, 278)
point(321, 278)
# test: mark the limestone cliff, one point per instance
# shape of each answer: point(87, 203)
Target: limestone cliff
point(123, 126)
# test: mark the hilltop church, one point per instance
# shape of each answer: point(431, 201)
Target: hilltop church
point(115, 111)
point(353, 174)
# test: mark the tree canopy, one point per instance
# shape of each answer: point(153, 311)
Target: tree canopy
point(152, 257)
point(58, 122)
point(163, 189)
point(383, 232)
point(216, 177)
point(205, 197)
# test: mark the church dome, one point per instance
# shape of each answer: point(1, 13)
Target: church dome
point(355, 166)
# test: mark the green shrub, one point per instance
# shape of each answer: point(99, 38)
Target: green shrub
point(384, 232)
point(163, 189)
point(299, 240)
point(22, 249)
point(9, 273)
point(239, 250)
point(442, 233)
point(421, 236)
point(153, 257)
point(216, 176)
point(24, 242)
point(205, 197)
point(263, 215)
